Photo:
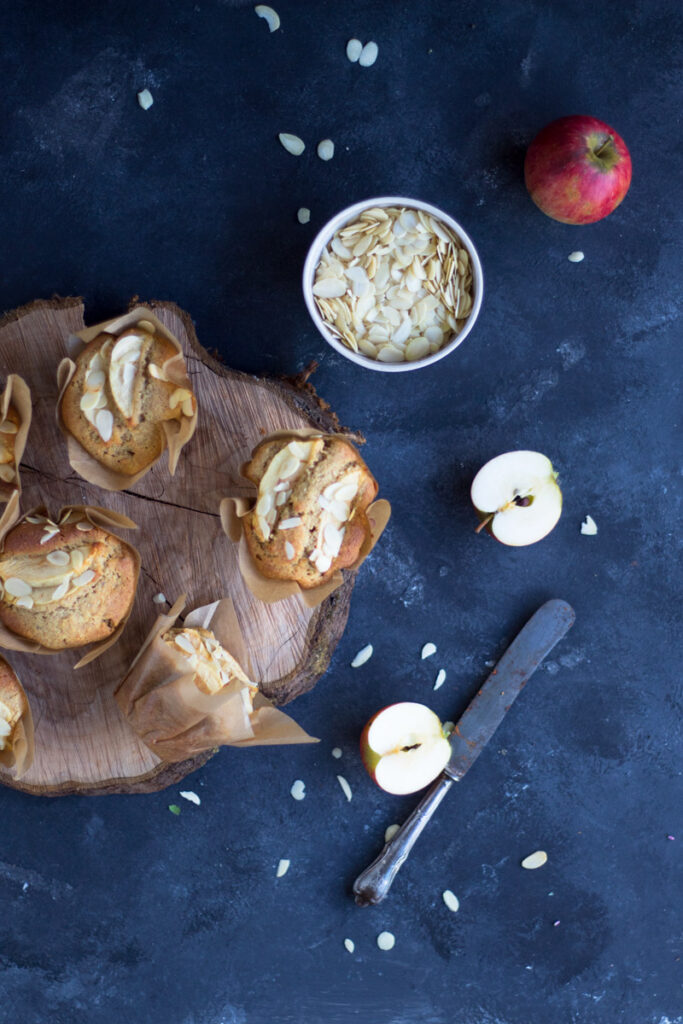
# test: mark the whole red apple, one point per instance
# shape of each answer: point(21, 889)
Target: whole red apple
point(577, 169)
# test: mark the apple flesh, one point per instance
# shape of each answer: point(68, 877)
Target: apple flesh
point(517, 497)
point(577, 169)
point(404, 748)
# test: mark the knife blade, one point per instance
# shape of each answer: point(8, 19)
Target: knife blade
point(474, 729)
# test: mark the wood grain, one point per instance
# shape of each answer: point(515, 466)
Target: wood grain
point(83, 744)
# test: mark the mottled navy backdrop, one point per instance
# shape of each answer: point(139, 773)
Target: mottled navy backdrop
point(115, 910)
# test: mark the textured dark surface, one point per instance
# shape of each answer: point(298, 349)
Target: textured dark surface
point(114, 909)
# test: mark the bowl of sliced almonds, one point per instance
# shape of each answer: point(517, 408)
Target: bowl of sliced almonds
point(393, 283)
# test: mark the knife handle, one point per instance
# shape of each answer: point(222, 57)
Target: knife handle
point(373, 884)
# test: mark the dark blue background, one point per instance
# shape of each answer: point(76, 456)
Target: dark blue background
point(115, 910)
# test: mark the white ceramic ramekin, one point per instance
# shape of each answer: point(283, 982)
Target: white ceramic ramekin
point(350, 214)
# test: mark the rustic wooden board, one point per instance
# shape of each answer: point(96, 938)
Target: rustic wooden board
point(82, 743)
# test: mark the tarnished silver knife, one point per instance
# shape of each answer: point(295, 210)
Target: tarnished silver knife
point(470, 735)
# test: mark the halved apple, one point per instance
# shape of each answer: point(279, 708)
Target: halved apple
point(404, 748)
point(517, 497)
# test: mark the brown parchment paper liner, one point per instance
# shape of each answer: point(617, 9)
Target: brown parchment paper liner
point(103, 517)
point(177, 432)
point(232, 511)
point(159, 699)
point(17, 394)
point(19, 757)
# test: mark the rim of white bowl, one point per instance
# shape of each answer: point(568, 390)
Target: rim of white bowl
point(338, 221)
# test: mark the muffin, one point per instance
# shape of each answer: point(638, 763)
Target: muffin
point(65, 585)
point(8, 434)
point(119, 397)
point(13, 707)
point(310, 515)
point(214, 668)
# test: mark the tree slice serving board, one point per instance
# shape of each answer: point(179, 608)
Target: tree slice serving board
point(83, 745)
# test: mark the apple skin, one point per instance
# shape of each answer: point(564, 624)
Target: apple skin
point(369, 757)
point(577, 170)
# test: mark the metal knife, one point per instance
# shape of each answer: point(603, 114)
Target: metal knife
point(471, 734)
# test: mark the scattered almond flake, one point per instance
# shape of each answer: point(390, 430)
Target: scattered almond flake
point(354, 48)
point(363, 655)
point(289, 524)
point(282, 868)
point(589, 527)
point(428, 650)
point(346, 789)
point(58, 557)
point(326, 149)
point(35, 519)
point(336, 752)
point(17, 587)
point(298, 790)
point(271, 17)
point(440, 679)
point(390, 832)
point(535, 860)
point(188, 794)
point(386, 941)
point(303, 215)
point(24, 602)
point(575, 257)
point(555, 923)
point(160, 599)
point(292, 143)
point(84, 526)
point(145, 99)
point(368, 55)
point(451, 900)
point(349, 945)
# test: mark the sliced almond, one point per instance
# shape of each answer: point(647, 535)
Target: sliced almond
point(326, 149)
point(155, 371)
point(368, 55)
point(60, 591)
point(535, 860)
point(25, 602)
point(289, 551)
point(428, 650)
point(440, 679)
point(303, 215)
point(386, 941)
point(86, 577)
point(77, 559)
point(147, 325)
point(84, 526)
point(292, 143)
point(17, 587)
point(58, 557)
point(329, 288)
point(104, 423)
point(270, 16)
point(346, 789)
point(354, 48)
point(390, 832)
point(363, 655)
point(290, 524)
point(178, 396)
point(451, 900)
point(7, 427)
point(282, 868)
point(298, 789)
point(89, 400)
point(184, 643)
point(349, 945)
point(145, 99)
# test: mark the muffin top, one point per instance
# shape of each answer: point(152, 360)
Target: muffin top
point(13, 704)
point(213, 666)
point(64, 585)
point(309, 518)
point(120, 395)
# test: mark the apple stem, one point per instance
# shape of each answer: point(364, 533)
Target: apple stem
point(484, 522)
point(608, 140)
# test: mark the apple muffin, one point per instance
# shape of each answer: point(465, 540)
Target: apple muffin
point(119, 397)
point(310, 514)
point(214, 668)
point(8, 433)
point(13, 706)
point(65, 585)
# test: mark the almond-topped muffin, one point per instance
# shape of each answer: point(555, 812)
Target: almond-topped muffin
point(8, 434)
point(119, 396)
point(214, 668)
point(13, 705)
point(310, 515)
point(65, 585)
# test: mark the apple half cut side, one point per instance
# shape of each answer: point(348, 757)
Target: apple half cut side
point(404, 748)
point(517, 497)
